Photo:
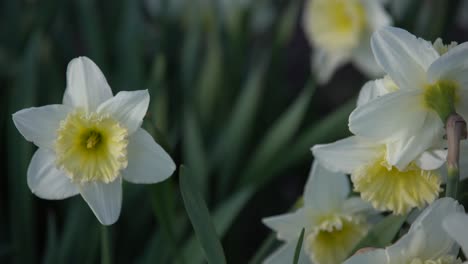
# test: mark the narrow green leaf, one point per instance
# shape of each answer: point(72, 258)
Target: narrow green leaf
point(298, 247)
point(264, 249)
point(223, 218)
point(278, 136)
point(50, 255)
point(200, 218)
point(383, 233)
point(332, 127)
point(288, 22)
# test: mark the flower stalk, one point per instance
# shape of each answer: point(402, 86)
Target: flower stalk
point(456, 131)
point(105, 246)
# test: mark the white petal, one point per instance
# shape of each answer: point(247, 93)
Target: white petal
point(404, 57)
point(453, 65)
point(456, 226)
point(39, 124)
point(430, 221)
point(86, 85)
point(45, 180)
point(128, 108)
point(388, 117)
point(356, 205)
point(376, 256)
point(325, 64)
point(147, 161)
point(347, 154)
point(411, 145)
point(287, 226)
point(285, 254)
point(377, 17)
point(325, 191)
point(105, 200)
point(432, 159)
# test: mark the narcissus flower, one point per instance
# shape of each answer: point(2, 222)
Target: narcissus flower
point(90, 142)
point(339, 31)
point(456, 226)
point(432, 84)
point(333, 223)
point(425, 243)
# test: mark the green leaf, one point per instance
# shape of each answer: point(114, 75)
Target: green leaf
point(264, 249)
point(383, 233)
point(298, 247)
point(278, 137)
point(200, 219)
point(223, 218)
point(51, 254)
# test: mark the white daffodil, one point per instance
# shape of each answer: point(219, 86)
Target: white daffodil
point(339, 31)
point(387, 187)
point(430, 85)
point(90, 142)
point(425, 243)
point(333, 223)
point(456, 225)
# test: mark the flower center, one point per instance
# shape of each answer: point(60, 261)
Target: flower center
point(335, 24)
point(388, 188)
point(91, 147)
point(442, 97)
point(442, 260)
point(334, 238)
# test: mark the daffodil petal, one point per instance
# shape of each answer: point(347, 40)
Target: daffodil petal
point(87, 87)
point(128, 108)
point(285, 254)
point(395, 113)
point(356, 205)
point(45, 180)
point(410, 146)
point(147, 161)
point(432, 159)
point(347, 154)
point(363, 58)
point(430, 220)
point(453, 65)
point(39, 124)
point(105, 200)
point(456, 226)
point(325, 64)
point(368, 92)
point(325, 190)
point(287, 226)
point(372, 256)
point(377, 17)
point(404, 57)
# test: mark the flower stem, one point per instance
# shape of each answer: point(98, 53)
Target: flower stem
point(105, 247)
point(456, 131)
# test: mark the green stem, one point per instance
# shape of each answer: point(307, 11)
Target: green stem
point(456, 131)
point(105, 246)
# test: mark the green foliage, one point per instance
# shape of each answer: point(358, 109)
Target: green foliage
point(298, 249)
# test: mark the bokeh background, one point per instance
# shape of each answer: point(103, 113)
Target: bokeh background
point(232, 98)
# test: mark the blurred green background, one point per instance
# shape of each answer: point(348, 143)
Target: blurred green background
point(232, 98)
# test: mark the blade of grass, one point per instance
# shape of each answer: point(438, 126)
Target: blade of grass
point(298, 247)
point(199, 216)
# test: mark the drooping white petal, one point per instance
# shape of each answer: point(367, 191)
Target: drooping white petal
point(356, 205)
point(285, 254)
point(105, 200)
point(325, 191)
point(375, 89)
point(347, 154)
point(411, 145)
point(430, 221)
point(376, 15)
point(128, 108)
point(147, 161)
point(287, 226)
point(45, 180)
point(363, 58)
point(404, 57)
point(369, 257)
point(396, 114)
point(456, 226)
point(86, 85)
point(325, 64)
point(39, 124)
point(432, 159)
point(453, 65)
